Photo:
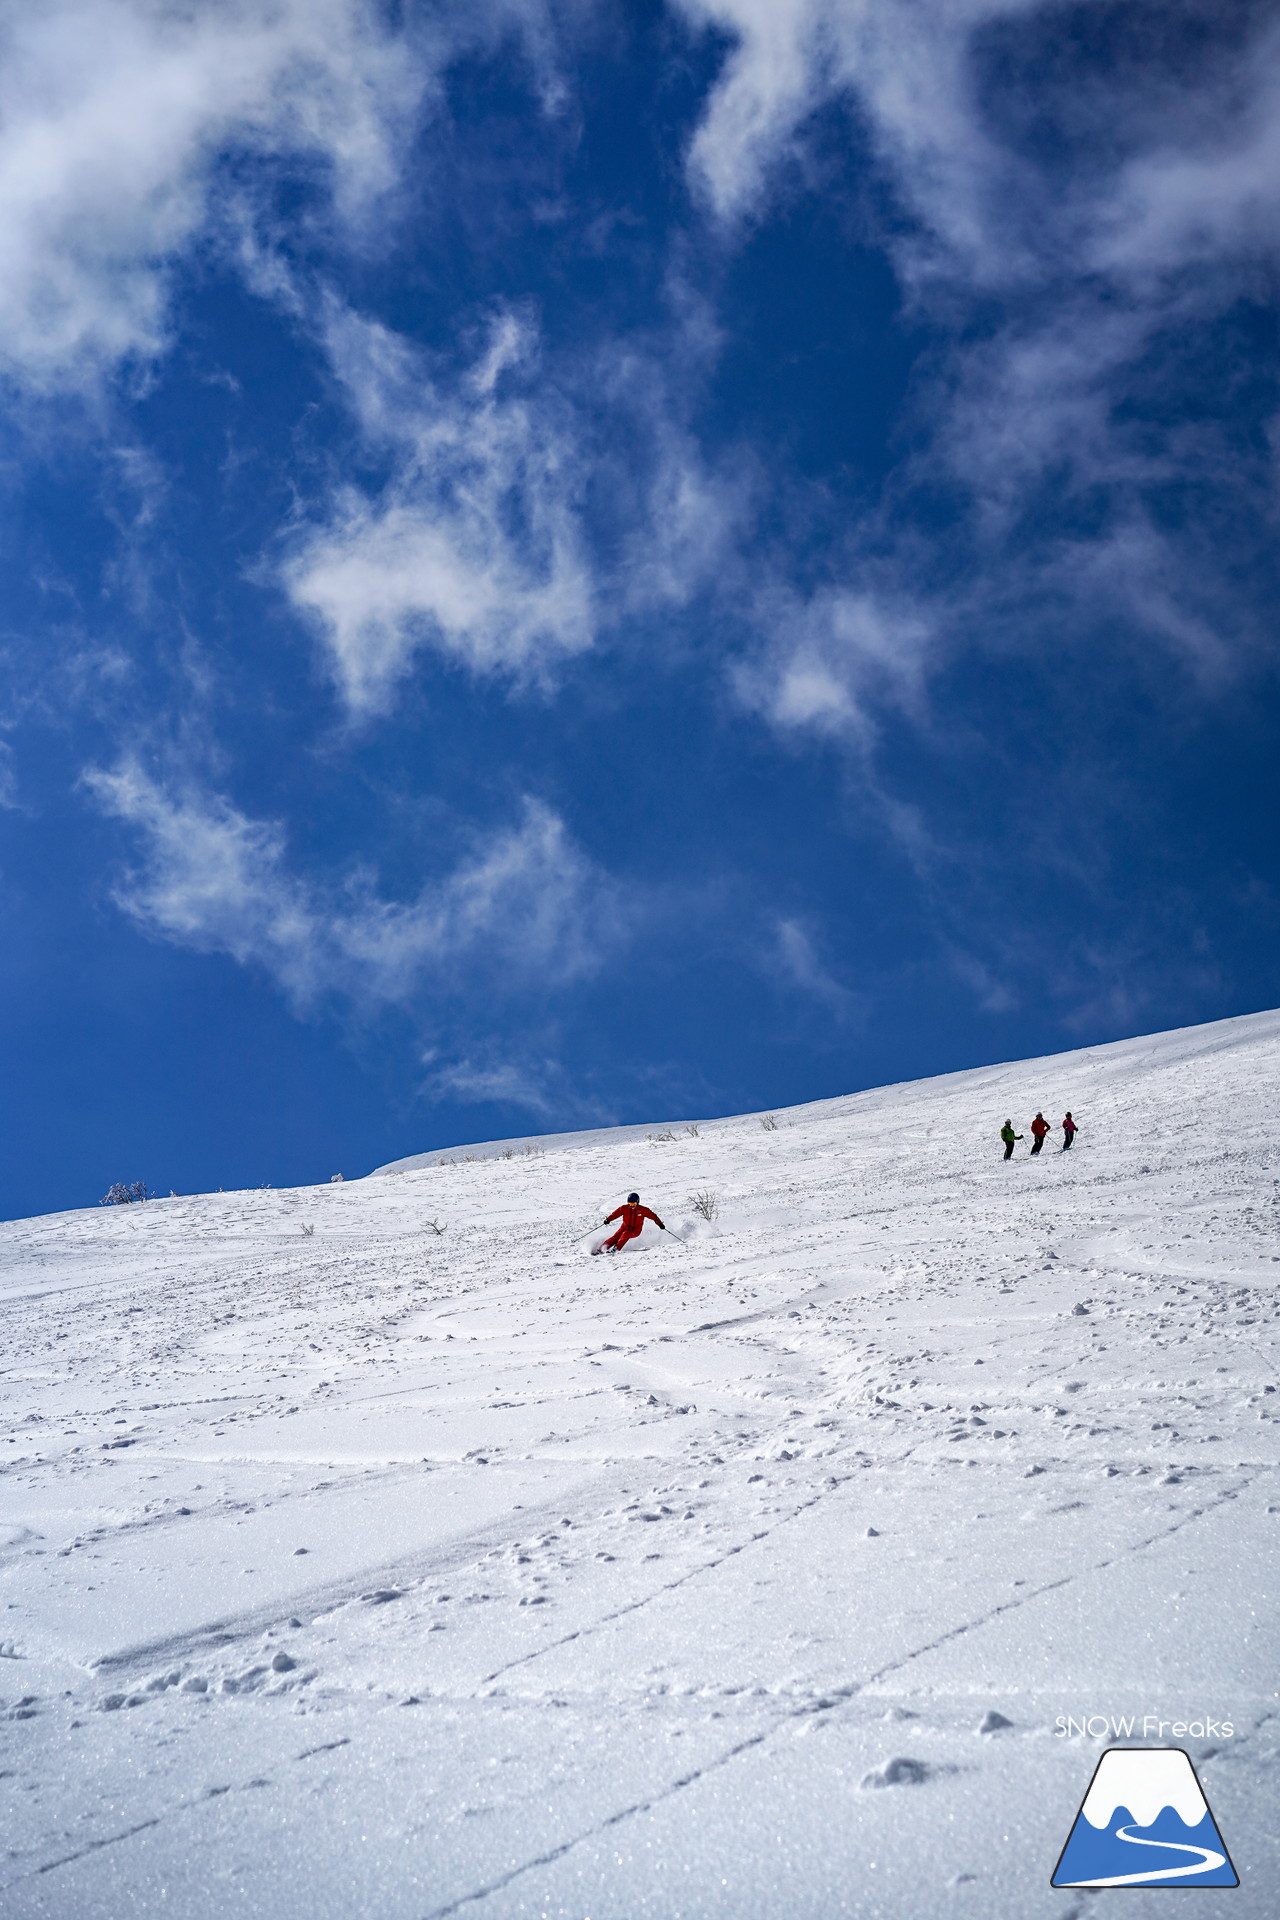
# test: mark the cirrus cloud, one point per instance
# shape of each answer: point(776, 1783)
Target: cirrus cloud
point(523, 910)
point(1078, 198)
point(117, 115)
point(473, 545)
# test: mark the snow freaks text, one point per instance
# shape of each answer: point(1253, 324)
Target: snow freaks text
point(1148, 1726)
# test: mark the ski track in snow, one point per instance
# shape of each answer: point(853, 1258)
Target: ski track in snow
point(385, 1572)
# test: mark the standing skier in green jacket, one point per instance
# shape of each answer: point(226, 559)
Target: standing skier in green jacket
point(1008, 1135)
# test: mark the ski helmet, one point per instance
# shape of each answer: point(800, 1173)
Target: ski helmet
point(633, 1199)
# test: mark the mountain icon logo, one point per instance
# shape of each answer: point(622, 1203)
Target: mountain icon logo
point(1144, 1823)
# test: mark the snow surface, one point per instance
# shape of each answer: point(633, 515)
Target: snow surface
point(381, 1571)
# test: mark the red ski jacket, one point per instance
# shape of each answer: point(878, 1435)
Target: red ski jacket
point(1039, 1127)
point(633, 1219)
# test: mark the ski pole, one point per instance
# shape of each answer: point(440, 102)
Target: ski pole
point(679, 1237)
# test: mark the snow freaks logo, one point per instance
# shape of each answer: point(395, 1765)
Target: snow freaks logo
point(1144, 1823)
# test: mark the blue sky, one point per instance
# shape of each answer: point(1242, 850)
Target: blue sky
point(581, 563)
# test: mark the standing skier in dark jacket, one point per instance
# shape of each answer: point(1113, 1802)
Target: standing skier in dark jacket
point(1069, 1132)
point(1039, 1128)
point(633, 1217)
point(1008, 1135)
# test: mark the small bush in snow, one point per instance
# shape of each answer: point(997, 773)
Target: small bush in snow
point(692, 1130)
point(435, 1226)
point(335, 1179)
point(656, 1139)
point(769, 1121)
point(121, 1195)
point(706, 1204)
point(306, 1229)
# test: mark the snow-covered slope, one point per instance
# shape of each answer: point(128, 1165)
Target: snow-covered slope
point(386, 1571)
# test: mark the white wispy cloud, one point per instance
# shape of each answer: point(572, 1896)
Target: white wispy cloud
point(8, 777)
point(906, 62)
point(115, 116)
point(1060, 276)
point(1204, 189)
point(473, 546)
point(212, 878)
point(769, 84)
point(1176, 167)
point(505, 1083)
point(523, 910)
point(134, 133)
point(799, 966)
point(532, 501)
point(830, 662)
point(1173, 163)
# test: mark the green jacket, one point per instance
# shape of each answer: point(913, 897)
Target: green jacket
point(1008, 1135)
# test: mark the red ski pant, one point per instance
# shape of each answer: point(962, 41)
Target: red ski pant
point(617, 1241)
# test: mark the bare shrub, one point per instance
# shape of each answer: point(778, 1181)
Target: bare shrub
point(434, 1226)
point(706, 1204)
point(769, 1121)
point(692, 1129)
point(306, 1229)
point(657, 1139)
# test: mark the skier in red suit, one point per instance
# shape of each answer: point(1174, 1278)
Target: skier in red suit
point(633, 1217)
